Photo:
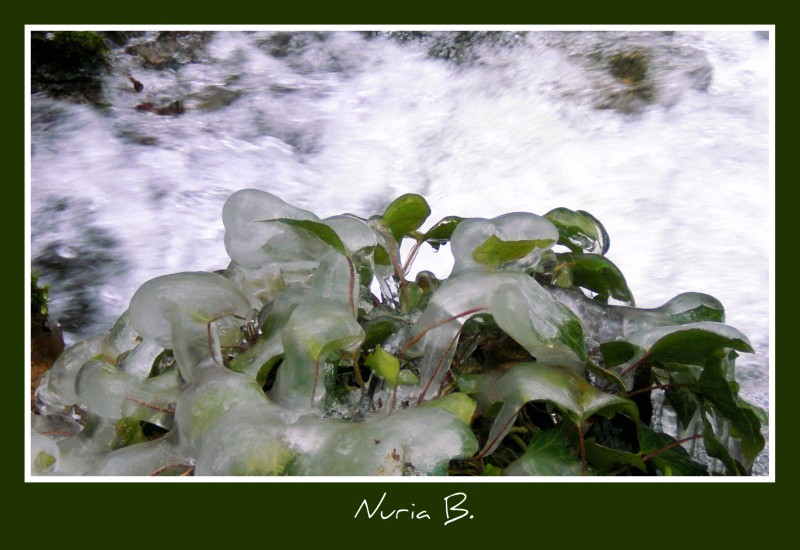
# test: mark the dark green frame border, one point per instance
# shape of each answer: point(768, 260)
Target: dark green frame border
point(571, 514)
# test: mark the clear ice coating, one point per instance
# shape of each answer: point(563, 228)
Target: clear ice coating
point(239, 372)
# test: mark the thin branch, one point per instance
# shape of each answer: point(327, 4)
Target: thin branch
point(150, 405)
point(169, 467)
point(660, 387)
point(419, 336)
point(582, 448)
point(629, 368)
point(438, 366)
point(670, 446)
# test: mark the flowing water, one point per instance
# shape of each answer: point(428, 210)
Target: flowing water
point(673, 159)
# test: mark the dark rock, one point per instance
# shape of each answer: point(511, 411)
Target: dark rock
point(460, 47)
point(121, 38)
point(283, 44)
point(630, 71)
point(174, 108)
point(69, 65)
point(137, 86)
point(763, 35)
point(171, 48)
point(213, 98)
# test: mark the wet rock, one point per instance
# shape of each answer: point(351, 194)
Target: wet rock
point(630, 71)
point(173, 109)
point(763, 35)
point(282, 44)
point(47, 342)
point(461, 47)
point(171, 48)
point(121, 38)
point(69, 65)
point(213, 98)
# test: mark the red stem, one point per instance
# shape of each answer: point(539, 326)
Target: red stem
point(636, 364)
point(419, 336)
point(352, 284)
point(659, 387)
point(169, 466)
point(670, 446)
point(439, 364)
point(150, 405)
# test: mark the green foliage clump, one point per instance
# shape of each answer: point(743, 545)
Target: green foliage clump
point(314, 353)
point(39, 299)
point(69, 64)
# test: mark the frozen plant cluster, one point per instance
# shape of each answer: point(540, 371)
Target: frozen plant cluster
point(286, 363)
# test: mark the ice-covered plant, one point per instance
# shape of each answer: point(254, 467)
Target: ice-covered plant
point(288, 363)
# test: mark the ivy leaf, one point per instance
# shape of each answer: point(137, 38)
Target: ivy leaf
point(405, 214)
point(685, 403)
point(495, 252)
point(456, 403)
point(569, 392)
point(411, 296)
point(407, 378)
point(606, 458)
point(547, 455)
point(323, 232)
point(492, 470)
point(382, 256)
point(377, 330)
point(715, 449)
point(598, 274)
point(385, 364)
point(744, 423)
point(579, 231)
point(671, 459)
point(440, 233)
point(689, 344)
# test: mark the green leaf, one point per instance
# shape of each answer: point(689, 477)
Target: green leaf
point(671, 459)
point(382, 256)
point(744, 422)
point(128, 432)
point(715, 449)
point(266, 368)
point(598, 274)
point(692, 344)
point(44, 462)
point(617, 353)
point(495, 252)
point(411, 296)
point(579, 230)
point(685, 403)
point(456, 403)
point(440, 233)
point(569, 392)
point(377, 330)
point(407, 378)
point(385, 364)
point(547, 455)
point(405, 214)
point(492, 470)
point(323, 232)
point(608, 459)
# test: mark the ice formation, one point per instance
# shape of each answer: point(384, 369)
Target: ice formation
point(239, 372)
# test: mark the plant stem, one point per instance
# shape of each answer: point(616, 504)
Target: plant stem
point(582, 448)
point(419, 336)
point(670, 446)
point(660, 387)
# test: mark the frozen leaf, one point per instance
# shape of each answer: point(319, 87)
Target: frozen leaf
point(405, 214)
point(547, 455)
point(598, 274)
point(579, 231)
point(569, 392)
point(495, 252)
point(385, 364)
